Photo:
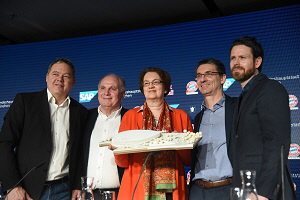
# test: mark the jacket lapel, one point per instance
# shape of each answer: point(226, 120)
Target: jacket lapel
point(260, 79)
point(74, 110)
point(229, 110)
point(45, 116)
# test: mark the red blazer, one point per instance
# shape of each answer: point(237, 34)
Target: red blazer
point(133, 120)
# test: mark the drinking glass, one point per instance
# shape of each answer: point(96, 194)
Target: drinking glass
point(235, 193)
point(108, 195)
point(86, 191)
point(248, 191)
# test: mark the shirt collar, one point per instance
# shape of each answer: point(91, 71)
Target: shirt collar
point(219, 104)
point(114, 114)
point(51, 99)
point(249, 84)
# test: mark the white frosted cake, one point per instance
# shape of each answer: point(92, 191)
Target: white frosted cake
point(134, 137)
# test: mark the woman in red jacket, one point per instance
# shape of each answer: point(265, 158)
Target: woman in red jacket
point(163, 177)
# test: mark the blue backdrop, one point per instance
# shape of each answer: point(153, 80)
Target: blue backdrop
point(177, 48)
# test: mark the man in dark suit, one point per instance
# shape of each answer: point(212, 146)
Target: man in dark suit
point(211, 171)
point(103, 123)
point(43, 130)
point(262, 122)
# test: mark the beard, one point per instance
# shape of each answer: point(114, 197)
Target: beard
point(242, 76)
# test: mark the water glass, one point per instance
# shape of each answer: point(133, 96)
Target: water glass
point(235, 193)
point(108, 195)
point(86, 191)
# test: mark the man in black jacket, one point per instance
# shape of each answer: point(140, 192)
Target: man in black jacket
point(43, 130)
point(262, 123)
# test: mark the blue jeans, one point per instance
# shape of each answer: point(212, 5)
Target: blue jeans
point(59, 191)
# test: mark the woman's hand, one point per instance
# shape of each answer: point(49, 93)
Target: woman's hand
point(111, 147)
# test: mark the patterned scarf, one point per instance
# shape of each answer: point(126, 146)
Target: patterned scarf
point(159, 174)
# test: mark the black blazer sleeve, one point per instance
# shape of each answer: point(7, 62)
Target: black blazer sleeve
point(10, 135)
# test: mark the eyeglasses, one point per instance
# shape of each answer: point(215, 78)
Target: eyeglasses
point(206, 75)
point(155, 83)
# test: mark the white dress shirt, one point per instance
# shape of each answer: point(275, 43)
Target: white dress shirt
point(60, 123)
point(101, 164)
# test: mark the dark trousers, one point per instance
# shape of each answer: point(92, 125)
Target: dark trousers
point(200, 193)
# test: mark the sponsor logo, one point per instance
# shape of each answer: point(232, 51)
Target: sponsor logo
point(295, 175)
point(191, 88)
point(293, 125)
point(283, 78)
point(87, 96)
point(174, 105)
point(192, 109)
point(293, 101)
point(188, 177)
point(130, 93)
point(5, 104)
point(294, 151)
point(228, 83)
point(171, 91)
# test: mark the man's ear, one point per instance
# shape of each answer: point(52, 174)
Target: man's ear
point(223, 78)
point(258, 62)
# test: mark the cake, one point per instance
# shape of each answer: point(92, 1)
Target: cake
point(134, 137)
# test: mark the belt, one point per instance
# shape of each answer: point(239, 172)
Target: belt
point(106, 189)
point(57, 181)
point(214, 184)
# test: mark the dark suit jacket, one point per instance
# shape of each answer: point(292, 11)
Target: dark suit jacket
point(230, 103)
point(26, 141)
point(92, 117)
point(262, 127)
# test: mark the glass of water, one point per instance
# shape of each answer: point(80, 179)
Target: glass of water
point(108, 195)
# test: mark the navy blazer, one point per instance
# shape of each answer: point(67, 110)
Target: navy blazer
point(92, 117)
point(230, 103)
point(262, 128)
point(26, 141)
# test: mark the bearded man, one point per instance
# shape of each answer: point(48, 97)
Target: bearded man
point(262, 124)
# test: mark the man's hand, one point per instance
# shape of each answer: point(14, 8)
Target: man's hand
point(76, 194)
point(18, 193)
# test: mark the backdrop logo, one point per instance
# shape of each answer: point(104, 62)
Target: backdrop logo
point(228, 83)
point(174, 105)
point(294, 151)
point(171, 91)
point(191, 88)
point(87, 96)
point(192, 109)
point(293, 101)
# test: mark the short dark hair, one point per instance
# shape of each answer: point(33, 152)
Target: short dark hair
point(62, 60)
point(251, 42)
point(220, 66)
point(120, 79)
point(164, 75)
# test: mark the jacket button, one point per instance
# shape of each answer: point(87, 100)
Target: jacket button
point(237, 136)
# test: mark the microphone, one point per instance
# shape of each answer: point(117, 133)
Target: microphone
point(282, 171)
point(32, 169)
point(143, 168)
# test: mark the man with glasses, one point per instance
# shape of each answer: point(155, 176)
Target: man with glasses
point(211, 171)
